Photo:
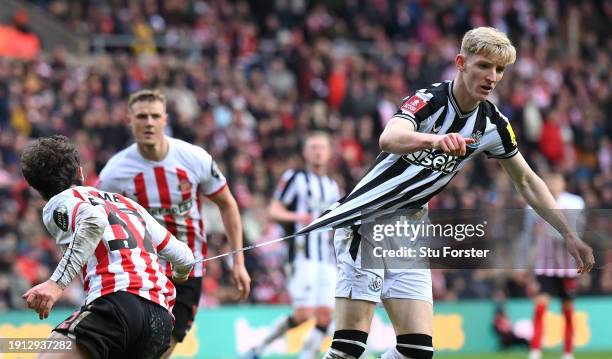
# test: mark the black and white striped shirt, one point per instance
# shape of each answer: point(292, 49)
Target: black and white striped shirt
point(304, 192)
point(410, 181)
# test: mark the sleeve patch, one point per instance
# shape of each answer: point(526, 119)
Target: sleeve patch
point(60, 217)
point(512, 135)
point(214, 170)
point(414, 104)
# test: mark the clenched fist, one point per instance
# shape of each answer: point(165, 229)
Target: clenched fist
point(453, 144)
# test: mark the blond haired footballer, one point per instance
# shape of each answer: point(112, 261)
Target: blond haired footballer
point(424, 145)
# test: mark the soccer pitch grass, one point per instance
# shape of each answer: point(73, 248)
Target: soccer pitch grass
point(522, 355)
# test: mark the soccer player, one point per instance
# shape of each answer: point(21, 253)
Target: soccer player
point(424, 145)
point(555, 269)
point(113, 243)
point(303, 194)
point(167, 176)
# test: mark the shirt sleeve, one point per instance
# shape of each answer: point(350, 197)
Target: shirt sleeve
point(286, 191)
point(211, 178)
point(416, 108)
point(504, 145)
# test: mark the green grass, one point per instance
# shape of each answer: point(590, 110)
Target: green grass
point(522, 355)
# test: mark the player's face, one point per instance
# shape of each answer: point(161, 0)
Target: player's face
point(317, 151)
point(148, 120)
point(481, 75)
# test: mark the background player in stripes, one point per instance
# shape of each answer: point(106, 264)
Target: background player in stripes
point(303, 194)
point(168, 176)
point(554, 267)
point(424, 145)
point(113, 243)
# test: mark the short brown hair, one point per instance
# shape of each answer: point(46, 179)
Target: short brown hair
point(50, 165)
point(146, 95)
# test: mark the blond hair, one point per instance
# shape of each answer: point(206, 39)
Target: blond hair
point(146, 95)
point(488, 42)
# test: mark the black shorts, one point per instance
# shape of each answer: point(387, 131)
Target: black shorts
point(186, 305)
point(562, 287)
point(120, 325)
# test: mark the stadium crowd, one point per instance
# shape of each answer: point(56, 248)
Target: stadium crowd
point(253, 78)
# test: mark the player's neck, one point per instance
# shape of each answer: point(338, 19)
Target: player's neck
point(318, 170)
point(154, 152)
point(465, 102)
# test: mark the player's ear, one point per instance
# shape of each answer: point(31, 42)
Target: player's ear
point(80, 175)
point(460, 62)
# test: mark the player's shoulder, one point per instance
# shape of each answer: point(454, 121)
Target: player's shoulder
point(59, 211)
point(186, 147)
point(494, 114)
point(433, 95)
point(117, 161)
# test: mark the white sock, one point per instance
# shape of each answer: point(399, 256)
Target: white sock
point(393, 354)
point(335, 354)
point(312, 345)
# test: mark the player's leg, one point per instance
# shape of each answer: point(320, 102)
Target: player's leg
point(357, 292)
point(568, 292)
point(75, 351)
point(541, 301)
point(407, 297)
point(301, 287)
point(312, 344)
point(184, 311)
point(353, 320)
point(325, 288)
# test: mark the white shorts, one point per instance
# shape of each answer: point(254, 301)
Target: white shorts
point(373, 285)
point(312, 283)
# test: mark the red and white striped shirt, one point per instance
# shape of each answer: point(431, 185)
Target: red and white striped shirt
point(169, 189)
point(552, 257)
point(126, 258)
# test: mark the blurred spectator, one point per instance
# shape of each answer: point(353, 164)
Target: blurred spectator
point(245, 80)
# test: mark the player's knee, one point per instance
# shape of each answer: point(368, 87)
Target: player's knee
point(351, 343)
point(415, 346)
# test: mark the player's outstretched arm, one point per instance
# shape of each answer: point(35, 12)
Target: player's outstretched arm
point(538, 196)
point(179, 254)
point(278, 212)
point(89, 227)
point(399, 137)
point(233, 228)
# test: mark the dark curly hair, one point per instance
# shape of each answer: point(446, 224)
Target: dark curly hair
point(50, 165)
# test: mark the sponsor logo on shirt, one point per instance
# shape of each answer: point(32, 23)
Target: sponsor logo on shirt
point(178, 209)
point(434, 159)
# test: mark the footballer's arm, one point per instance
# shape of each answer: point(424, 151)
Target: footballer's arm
point(538, 196)
point(233, 227)
point(89, 228)
point(400, 137)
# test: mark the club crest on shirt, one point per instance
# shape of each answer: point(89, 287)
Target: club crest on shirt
point(184, 186)
point(60, 217)
point(476, 136)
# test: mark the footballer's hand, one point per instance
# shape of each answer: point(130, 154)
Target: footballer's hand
point(453, 144)
point(42, 297)
point(303, 218)
point(582, 253)
point(242, 280)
